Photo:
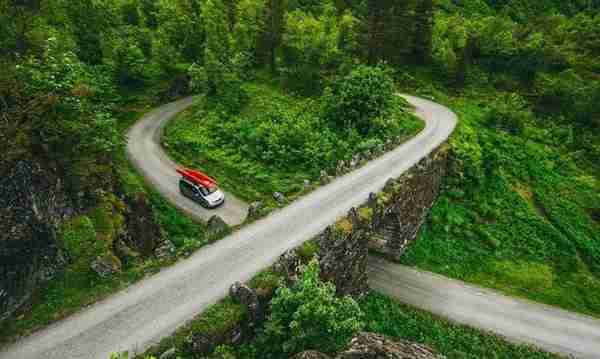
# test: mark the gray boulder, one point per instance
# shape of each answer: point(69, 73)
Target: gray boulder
point(279, 197)
point(288, 265)
point(306, 184)
point(254, 209)
point(246, 296)
point(165, 249)
point(242, 294)
point(200, 344)
point(106, 266)
point(324, 177)
point(311, 354)
point(216, 225)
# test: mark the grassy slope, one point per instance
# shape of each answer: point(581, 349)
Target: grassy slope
point(192, 140)
point(526, 229)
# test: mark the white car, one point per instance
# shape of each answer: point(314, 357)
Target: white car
point(200, 188)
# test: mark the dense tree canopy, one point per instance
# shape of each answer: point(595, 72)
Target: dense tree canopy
point(549, 50)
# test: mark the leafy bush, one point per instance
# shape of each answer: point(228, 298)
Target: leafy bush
point(571, 95)
point(198, 78)
point(130, 64)
point(77, 99)
point(509, 114)
point(356, 100)
point(310, 316)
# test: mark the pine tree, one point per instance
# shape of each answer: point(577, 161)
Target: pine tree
point(218, 52)
point(274, 25)
point(423, 31)
point(375, 29)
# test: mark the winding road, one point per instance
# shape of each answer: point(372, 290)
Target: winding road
point(144, 150)
point(153, 308)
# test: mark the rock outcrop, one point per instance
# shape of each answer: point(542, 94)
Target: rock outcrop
point(144, 234)
point(32, 202)
point(375, 346)
point(246, 296)
point(343, 250)
point(35, 201)
point(311, 354)
point(216, 226)
point(388, 222)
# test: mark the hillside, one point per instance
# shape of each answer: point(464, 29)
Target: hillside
point(287, 90)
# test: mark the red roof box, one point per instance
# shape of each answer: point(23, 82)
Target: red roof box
point(197, 177)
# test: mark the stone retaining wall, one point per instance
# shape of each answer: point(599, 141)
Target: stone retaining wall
point(387, 223)
point(399, 211)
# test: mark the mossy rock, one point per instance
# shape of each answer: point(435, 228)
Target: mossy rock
point(108, 218)
point(219, 319)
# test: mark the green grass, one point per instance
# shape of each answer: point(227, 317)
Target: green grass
point(515, 214)
point(275, 143)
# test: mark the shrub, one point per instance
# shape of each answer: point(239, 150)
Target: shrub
point(570, 95)
point(355, 100)
point(509, 114)
point(198, 78)
point(310, 316)
point(130, 64)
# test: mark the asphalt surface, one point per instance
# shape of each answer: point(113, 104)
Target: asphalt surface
point(518, 320)
point(153, 308)
point(145, 152)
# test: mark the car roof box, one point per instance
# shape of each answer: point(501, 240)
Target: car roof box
point(197, 177)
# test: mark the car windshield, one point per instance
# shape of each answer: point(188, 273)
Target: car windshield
point(211, 190)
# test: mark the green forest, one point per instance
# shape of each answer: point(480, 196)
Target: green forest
point(288, 88)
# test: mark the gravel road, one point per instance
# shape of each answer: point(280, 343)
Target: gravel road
point(145, 152)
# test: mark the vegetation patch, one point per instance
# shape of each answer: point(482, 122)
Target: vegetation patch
point(512, 215)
